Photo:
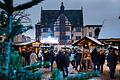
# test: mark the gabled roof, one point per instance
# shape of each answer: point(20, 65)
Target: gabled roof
point(87, 40)
point(48, 17)
point(110, 30)
point(23, 43)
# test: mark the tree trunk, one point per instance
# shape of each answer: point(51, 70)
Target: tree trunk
point(8, 46)
point(1, 57)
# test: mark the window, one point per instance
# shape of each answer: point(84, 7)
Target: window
point(67, 29)
point(78, 37)
point(78, 29)
point(45, 29)
point(67, 37)
point(66, 22)
point(90, 34)
point(63, 38)
point(57, 29)
point(88, 27)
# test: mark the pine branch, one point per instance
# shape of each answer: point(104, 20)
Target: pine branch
point(8, 6)
point(21, 17)
point(26, 5)
point(2, 5)
point(20, 29)
point(15, 14)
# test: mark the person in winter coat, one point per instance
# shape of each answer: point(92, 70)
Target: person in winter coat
point(33, 57)
point(27, 57)
point(52, 58)
point(60, 60)
point(65, 64)
point(24, 55)
point(46, 55)
point(102, 59)
point(40, 55)
point(112, 62)
point(95, 59)
point(78, 56)
point(72, 58)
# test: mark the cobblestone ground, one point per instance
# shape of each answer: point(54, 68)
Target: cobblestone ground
point(104, 75)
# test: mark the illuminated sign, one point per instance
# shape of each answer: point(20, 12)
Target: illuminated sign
point(35, 44)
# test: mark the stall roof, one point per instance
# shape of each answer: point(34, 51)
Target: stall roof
point(25, 43)
point(110, 29)
point(87, 39)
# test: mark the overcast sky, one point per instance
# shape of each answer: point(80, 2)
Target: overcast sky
point(94, 11)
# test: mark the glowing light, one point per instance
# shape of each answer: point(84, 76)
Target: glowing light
point(49, 40)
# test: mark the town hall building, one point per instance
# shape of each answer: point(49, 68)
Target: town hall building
point(65, 25)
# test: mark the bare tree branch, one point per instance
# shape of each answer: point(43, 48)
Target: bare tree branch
point(21, 16)
point(26, 5)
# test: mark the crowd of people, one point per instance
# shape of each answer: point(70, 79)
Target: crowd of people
point(74, 57)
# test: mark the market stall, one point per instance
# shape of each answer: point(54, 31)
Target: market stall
point(27, 46)
point(87, 43)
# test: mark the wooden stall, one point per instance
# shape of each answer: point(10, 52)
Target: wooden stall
point(27, 46)
point(87, 43)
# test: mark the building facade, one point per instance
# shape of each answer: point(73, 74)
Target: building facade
point(66, 25)
point(92, 30)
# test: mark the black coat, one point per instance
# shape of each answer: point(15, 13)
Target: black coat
point(52, 56)
point(66, 60)
point(46, 56)
point(78, 56)
point(102, 58)
point(95, 55)
point(112, 59)
point(60, 59)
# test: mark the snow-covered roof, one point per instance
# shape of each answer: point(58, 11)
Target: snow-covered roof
point(24, 43)
point(110, 29)
point(95, 40)
point(87, 39)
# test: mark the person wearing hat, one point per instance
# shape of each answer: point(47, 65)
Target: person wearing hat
point(112, 62)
